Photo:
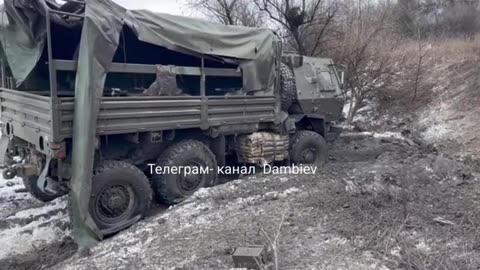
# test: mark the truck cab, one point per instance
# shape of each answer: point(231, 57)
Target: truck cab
point(318, 99)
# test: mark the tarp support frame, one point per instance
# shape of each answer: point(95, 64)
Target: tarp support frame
point(204, 105)
point(66, 65)
point(52, 76)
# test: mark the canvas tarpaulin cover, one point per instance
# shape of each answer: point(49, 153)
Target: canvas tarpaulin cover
point(24, 37)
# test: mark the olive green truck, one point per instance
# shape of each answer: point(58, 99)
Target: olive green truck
point(171, 91)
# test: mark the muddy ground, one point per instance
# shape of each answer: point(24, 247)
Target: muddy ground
point(383, 201)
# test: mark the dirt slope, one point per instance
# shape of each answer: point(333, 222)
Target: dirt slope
point(452, 119)
point(445, 111)
point(351, 215)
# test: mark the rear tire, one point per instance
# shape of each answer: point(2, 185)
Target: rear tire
point(308, 147)
point(174, 188)
point(120, 193)
point(44, 196)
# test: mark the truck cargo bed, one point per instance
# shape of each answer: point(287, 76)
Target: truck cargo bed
point(30, 115)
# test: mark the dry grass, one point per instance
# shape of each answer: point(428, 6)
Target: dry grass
point(446, 64)
point(454, 50)
point(450, 50)
point(376, 224)
point(434, 226)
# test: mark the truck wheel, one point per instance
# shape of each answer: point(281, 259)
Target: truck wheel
point(174, 188)
point(288, 88)
point(308, 147)
point(120, 193)
point(44, 196)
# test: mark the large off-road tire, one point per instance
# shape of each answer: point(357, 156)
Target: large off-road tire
point(44, 196)
point(308, 147)
point(288, 88)
point(174, 188)
point(120, 194)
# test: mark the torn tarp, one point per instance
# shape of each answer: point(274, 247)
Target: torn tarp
point(100, 35)
point(22, 35)
point(252, 48)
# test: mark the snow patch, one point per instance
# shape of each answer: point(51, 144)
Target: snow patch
point(436, 132)
point(56, 205)
point(383, 135)
point(423, 247)
point(24, 239)
point(283, 194)
point(436, 124)
point(10, 189)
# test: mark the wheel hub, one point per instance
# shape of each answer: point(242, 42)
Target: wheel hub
point(191, 182)
point(114, 202)
point(309, 155)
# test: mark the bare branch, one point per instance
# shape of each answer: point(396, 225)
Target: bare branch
point(306, 22)
point(230, 12)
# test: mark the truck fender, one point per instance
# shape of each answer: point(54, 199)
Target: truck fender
point(316, 121)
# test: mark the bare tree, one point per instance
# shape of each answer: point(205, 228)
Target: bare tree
point(230, 12)
point(438, 17)
point(407, 16)
point(422, 54)
point(366, 52)
point(305, 23)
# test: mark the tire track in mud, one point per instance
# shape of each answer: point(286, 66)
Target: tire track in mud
point(33, 234)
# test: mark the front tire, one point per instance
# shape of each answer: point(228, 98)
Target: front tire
point(308, 147)
point(120, 194)
point(174, 188)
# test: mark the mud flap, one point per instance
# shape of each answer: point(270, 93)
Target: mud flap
point(4, 141)
point(44, 183)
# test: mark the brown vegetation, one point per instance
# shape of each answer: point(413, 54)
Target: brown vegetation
point(370, 40)
point(419, 60)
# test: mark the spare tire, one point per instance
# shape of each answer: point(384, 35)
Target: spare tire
point(288, 87)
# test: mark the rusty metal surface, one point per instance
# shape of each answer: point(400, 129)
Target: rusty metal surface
point(262, 148)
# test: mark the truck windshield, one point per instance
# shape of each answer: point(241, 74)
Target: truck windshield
point(328, 80)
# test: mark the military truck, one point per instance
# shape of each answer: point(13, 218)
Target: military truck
point(94, 92)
